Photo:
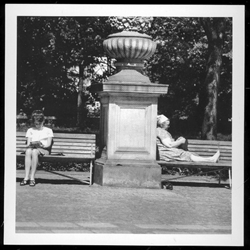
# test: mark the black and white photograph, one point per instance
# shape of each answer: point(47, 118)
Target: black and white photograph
point(127, 122)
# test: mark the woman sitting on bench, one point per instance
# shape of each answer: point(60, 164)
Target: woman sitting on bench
point(170, 149)
point(39, 143)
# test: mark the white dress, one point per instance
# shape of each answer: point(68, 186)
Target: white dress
point(170, 154)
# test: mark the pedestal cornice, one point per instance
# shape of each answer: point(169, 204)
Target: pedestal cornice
point(130, 81)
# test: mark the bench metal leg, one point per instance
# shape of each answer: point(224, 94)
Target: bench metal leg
point(91, 172)
point(230, 178)
point(219, 177)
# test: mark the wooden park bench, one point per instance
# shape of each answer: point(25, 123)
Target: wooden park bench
point(206, 148)
point(66, 147)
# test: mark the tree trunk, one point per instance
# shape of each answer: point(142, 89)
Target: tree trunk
point(209, 92)
point(82, 97)
point(80, 102)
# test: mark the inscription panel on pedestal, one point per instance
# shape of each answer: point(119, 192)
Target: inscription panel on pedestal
point(131, 129)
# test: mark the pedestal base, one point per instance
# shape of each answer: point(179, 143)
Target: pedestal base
point(124, 173)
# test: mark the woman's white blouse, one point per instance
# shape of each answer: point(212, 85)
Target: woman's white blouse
point(41, 135)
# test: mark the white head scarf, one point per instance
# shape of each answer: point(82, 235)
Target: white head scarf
point(161, 119)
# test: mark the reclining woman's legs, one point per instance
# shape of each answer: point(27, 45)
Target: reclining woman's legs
point(213, 158)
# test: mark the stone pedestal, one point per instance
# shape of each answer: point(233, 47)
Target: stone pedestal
point(128, 130)
point(127, 173)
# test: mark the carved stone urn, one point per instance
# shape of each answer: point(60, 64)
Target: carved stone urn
point(130, 49)
point(128, 116)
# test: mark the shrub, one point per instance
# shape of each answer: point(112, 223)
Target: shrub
point(59, 166)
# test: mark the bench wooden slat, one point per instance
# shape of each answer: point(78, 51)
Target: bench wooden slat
point(73, 142)
point(205, 149)
point(64, 136)
point(65, 152)
point(60, 140)
point(209, 146)
point(210, 150)
point(195, 164)
point(209, 142)
point(54, 158)
point(58, 147)
point(75, 136)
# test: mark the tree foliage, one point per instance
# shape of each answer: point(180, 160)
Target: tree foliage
point(181, 61)
point(58, 55)
point(48, 48)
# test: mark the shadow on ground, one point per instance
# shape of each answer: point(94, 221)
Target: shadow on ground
point(78, 182)
point(196, 184)
point(56, 181)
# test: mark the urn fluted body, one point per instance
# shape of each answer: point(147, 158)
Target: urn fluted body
point(129, 48)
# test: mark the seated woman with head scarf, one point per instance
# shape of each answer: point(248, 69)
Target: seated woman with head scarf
point(170, 149)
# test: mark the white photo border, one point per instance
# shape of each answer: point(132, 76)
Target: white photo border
point(237, 12)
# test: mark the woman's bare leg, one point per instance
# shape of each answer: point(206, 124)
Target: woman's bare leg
point(214, 158)
point(34, 163)
point(27, 162)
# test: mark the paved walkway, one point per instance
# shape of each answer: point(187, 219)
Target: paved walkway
point(61, 205)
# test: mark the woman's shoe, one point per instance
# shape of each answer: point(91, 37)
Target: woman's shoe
point(32, 183)
point(24, 182)
point(167, 186)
